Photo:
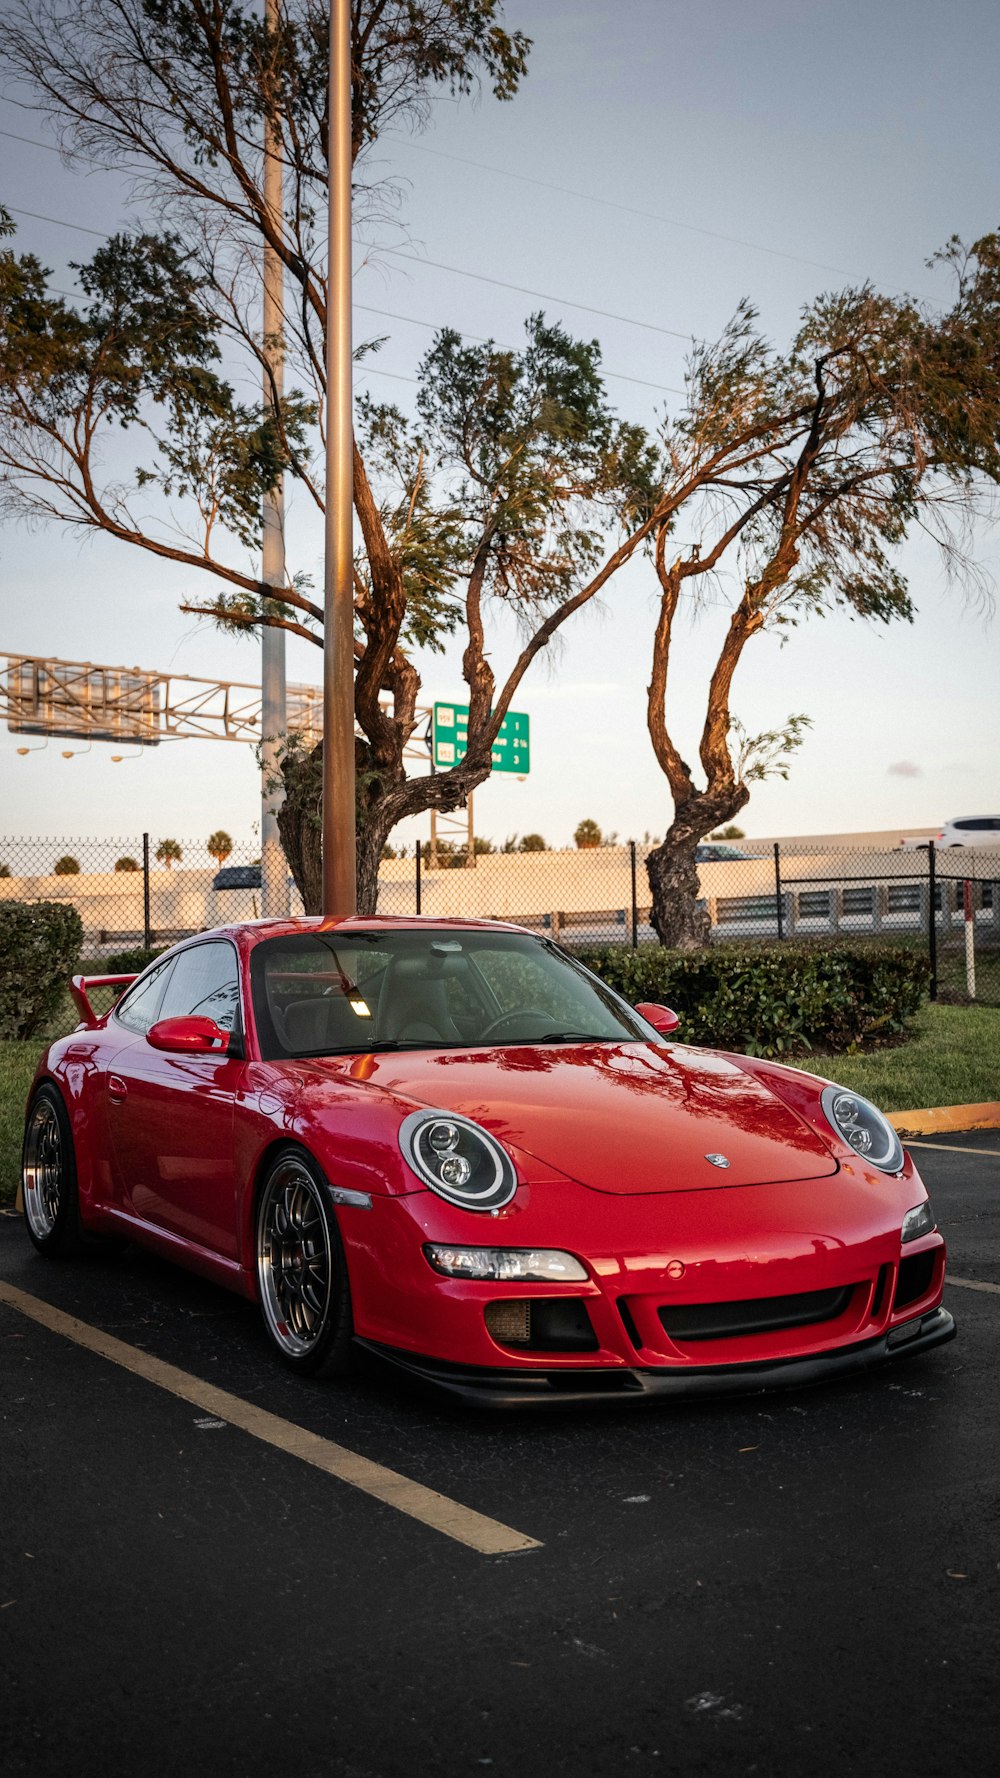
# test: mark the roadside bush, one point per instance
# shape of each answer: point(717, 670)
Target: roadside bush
point(124, 962)
point(773, 1000)
point(39, 947)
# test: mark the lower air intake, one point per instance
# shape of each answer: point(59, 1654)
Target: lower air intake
point(728, 1321)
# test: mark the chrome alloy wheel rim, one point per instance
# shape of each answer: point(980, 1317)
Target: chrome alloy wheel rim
point(294, 1265)
point(43, 1175)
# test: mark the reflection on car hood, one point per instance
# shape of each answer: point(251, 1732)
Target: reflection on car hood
point(624, 1118)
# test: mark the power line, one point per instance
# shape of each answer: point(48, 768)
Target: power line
point(59, 221)
point(481, 339)
point(522, 290)
point(591, 197)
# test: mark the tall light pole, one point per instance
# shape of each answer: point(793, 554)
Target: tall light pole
point(273, 712)
point(339, 857)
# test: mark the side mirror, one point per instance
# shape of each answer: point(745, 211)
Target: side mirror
point(660, 1017)
point(193, 1035)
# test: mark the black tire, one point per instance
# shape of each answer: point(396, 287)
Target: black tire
point(48, 1176)
point(302, 1283)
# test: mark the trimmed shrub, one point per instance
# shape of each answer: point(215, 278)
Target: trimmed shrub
point(39, 947)
point(124, 962)
point(773, 1000)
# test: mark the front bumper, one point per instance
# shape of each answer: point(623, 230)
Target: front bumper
point(486, 1387)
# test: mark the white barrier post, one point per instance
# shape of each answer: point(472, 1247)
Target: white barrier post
point(970, 940)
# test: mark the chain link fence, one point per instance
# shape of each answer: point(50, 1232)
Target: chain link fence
point(144, 891)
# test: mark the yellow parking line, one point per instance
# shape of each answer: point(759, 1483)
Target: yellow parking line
point(473, 1529)
point(973, 1284)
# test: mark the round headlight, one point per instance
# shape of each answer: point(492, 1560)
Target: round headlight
point(863, 1128)
point(458, 1159)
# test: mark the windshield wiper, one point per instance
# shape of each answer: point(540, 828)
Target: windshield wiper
point(573, 1037)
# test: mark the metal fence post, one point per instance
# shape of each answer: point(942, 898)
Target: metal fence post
point(777, 890)
point(418, 876)
point(932, 919)
point(147, 936)
point(635, 899)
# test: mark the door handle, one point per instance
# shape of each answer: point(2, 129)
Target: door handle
point(117, 1089)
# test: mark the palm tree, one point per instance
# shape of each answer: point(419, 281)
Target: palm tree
point(126, 864)
point(218, 846)
point(168, 852)
point(587, 834)
point(66, 866)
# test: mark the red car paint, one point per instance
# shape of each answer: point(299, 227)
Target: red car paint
point(610, 1142)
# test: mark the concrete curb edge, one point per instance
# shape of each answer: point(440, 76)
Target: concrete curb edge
point(944, 1118)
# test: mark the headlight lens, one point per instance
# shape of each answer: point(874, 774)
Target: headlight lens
point(458, 1159)
point(502, 1265)
point(863, 1128)
point(918, 1221)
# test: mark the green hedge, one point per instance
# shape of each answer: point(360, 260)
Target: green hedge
point(124, 962)
point(40, 945)
point(773, 1000)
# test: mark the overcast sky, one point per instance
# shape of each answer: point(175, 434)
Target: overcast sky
point(783, 147)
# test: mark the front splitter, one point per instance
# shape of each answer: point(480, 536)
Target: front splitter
point(485, 1387)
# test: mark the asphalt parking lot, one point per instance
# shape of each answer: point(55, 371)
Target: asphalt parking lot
point(798, 1583)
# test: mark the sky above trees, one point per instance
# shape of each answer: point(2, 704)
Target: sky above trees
point(827, 143)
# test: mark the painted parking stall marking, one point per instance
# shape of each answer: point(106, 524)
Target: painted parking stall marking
point(973, 1284)
point(488, 1537)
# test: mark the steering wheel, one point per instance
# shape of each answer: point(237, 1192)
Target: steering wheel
point(514, 1018)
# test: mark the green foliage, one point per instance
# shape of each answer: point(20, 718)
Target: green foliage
point(124, 962)
point(773, 1000)
point(127, 864)
point(218, 845)
point(169, 852)
point(5, 870)
point(66, 866)
point(732, 832)
point(39, 947)
point(587, 834)
point(533, 842)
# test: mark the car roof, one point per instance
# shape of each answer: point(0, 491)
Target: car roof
point(253, 931)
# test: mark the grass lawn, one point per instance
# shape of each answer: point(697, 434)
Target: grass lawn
point(17, 1066)
point(953, 1059)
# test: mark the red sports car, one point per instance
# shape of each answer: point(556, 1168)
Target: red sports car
point(448, 1142)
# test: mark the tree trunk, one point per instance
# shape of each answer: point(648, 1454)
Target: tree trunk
point(680, 917)
point(300, 824)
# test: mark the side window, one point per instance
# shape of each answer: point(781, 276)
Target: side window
point(138, 1009)
point(204, 981)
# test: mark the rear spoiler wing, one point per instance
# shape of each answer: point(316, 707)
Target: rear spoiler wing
point(80, 986)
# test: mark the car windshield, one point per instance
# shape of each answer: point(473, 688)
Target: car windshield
point(321, 994)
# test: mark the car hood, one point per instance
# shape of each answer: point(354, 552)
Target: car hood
point(624, 1118)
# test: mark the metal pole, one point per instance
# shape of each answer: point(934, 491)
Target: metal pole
point(273, 712)
point(777, 890)
point(635, 899)
point(147, 936)
point(339, 842)
point(970, 939)
point(418, 876)
point(932, 919)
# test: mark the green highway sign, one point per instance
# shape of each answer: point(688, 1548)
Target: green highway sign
point(511, 749)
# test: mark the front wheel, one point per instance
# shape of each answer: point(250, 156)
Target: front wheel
point(48, 1176)
point(302, 1278)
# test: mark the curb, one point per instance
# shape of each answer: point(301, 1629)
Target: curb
point(947, 1117)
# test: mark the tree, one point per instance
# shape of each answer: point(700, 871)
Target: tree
point(805, 471)
point(533, 842)
point(586, 835)
point(169, 852)
point(5, 870)
point(66, 866)
point(126, 864)
point(219, 846)
point(729, 833)
point(182, 93)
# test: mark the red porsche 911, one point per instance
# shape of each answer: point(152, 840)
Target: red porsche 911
point(448, 1142)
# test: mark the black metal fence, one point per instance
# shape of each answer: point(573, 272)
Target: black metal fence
point(148, 891)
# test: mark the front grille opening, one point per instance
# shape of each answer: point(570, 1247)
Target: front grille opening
point(629, 1320)
point(916, 1274)
point(727, 1321)
point(548, 1324)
